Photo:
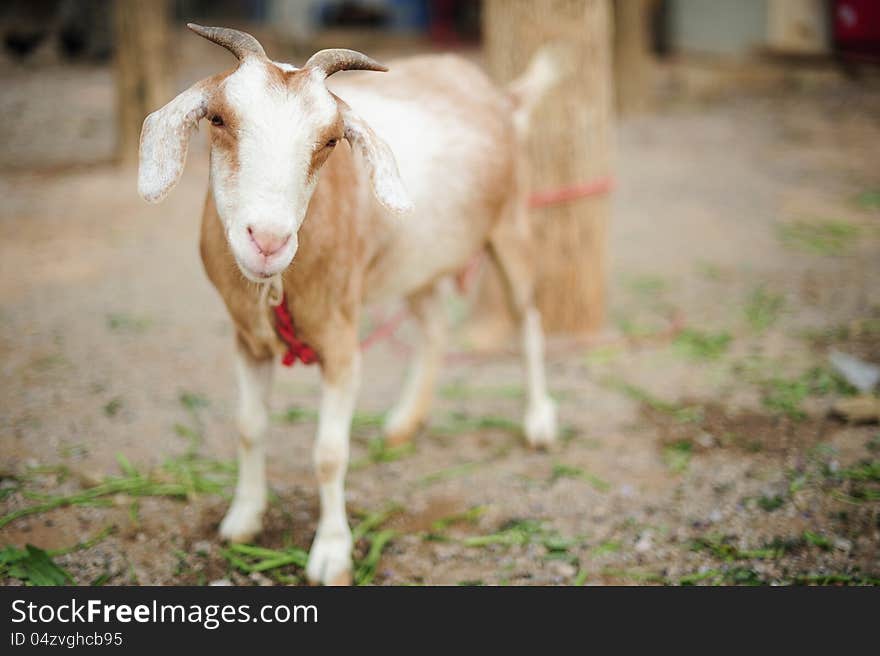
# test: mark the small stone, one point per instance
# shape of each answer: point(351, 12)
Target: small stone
point(563, 569)
point(645, 543)
point(706, 440)
point(220, 582)
point(859, 410)
point(444, 551)
point(715, 516)
point(843, 544)
point(91, 479)
point(202, 547)
point(260, 579)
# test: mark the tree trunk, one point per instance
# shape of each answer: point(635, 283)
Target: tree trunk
point(632, 55)
point(569, 144)
point(141, 60)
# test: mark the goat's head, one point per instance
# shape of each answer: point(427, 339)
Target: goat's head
point(272, 128)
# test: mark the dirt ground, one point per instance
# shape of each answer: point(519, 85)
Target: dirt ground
point(698, 445)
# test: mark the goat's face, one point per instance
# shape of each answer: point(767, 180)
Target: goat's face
point(272, 127)
point(270, 134)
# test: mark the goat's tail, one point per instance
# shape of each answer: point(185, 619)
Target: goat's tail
point(543, 73)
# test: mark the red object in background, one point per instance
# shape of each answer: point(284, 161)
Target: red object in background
point(547, 197)
point(857, 26)
point(442, 22)
point(453, 22)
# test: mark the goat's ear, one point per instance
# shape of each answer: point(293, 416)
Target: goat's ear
point(380, 162)
point(165, 139)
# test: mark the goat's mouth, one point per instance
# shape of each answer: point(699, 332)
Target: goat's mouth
point(263, 271)
point(255, 276)
point(260, 274)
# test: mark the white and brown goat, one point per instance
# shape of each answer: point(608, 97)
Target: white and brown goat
point(290, 205)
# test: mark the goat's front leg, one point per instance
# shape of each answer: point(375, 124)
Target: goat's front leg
point(330, 556)
point(245, 516)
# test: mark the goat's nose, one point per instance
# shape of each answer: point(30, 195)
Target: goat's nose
point(268, 242)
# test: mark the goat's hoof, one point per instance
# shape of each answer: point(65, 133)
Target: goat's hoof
point(242, 523)
point(400, 431)
point(400, 437)
point(540, 424)
point(330, 560)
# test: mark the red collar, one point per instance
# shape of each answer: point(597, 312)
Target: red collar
point(296, 349)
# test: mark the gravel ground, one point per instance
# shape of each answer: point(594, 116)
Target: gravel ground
point(710, 457)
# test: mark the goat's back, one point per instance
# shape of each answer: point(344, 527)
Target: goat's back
point(451, 132)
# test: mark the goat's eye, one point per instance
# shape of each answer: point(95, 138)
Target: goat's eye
point(217, 120)
point(331, 143)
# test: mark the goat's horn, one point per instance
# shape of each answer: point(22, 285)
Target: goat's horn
point(338, 59)
point(240, 44)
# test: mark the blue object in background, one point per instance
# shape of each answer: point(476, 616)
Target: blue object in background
point(402, 15)
point(409, 15)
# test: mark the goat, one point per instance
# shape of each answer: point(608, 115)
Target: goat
point(324, 245)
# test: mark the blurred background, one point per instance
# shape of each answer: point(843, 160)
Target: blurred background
point(705, 192)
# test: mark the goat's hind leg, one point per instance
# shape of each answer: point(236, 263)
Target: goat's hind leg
point(412, 408)
point(511, 249)
point(245, 516)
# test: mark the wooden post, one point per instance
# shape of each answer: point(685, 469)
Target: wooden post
point(633, 60)
point(798, 27)
point(570, 144)
point(140, 35)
